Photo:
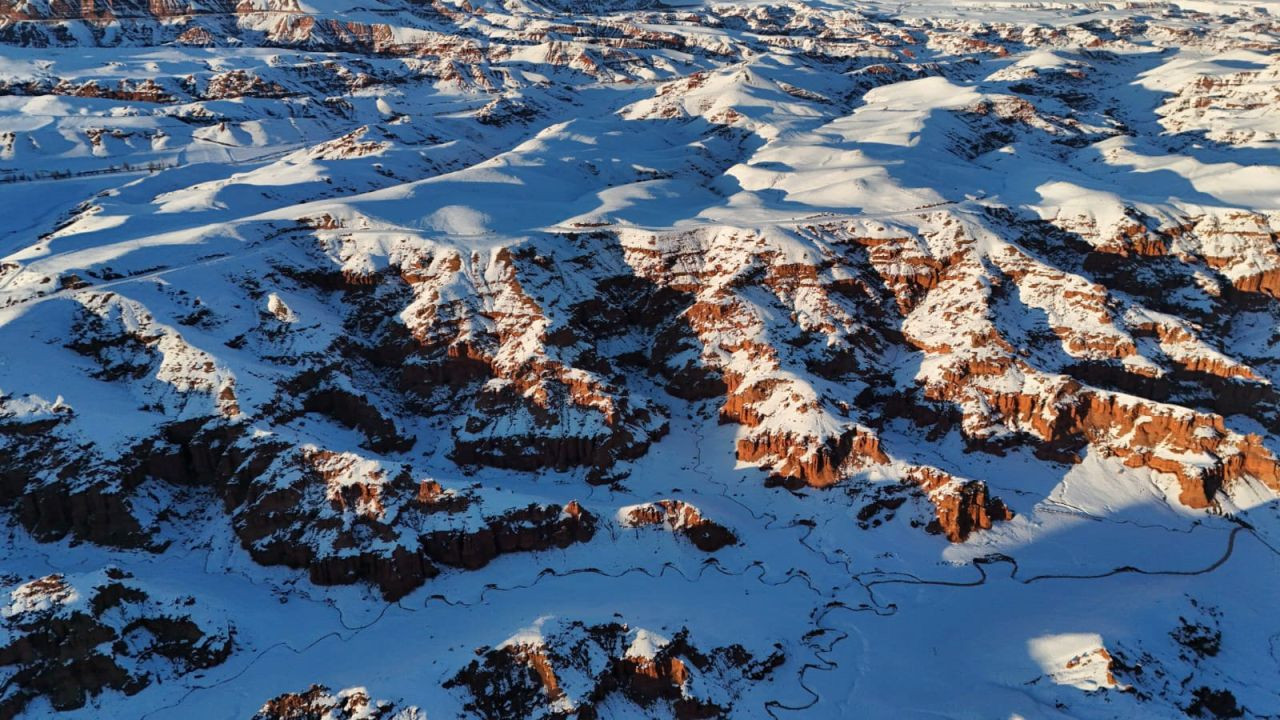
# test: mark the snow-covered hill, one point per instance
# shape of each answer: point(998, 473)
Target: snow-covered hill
point(609, 360)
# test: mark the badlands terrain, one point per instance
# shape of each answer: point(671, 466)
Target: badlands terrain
point(412, 359)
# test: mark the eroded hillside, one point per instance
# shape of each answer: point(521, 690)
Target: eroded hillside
point(472, 358)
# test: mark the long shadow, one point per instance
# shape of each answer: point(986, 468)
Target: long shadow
point(1137, 608)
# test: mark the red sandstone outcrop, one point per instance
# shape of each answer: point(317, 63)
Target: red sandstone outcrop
point(679, 516)
point(806, 461)
point(344, 519)
point(520, 678)
point(319, 701)
point(72, 638)
point(962, 507)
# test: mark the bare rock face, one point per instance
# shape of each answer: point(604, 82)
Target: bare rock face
point(679, 516)
point(943, 504)
point(346, 518)
point(571, 672)
point(94, 513)
point(71, 638)
point(536, 527)
point(319, 701)
point(962, 507)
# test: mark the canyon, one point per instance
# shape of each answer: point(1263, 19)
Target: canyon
point(502, 358)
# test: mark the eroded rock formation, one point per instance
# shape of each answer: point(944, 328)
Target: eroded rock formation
point(68, 639)
point(679, 516)
point(569, 673)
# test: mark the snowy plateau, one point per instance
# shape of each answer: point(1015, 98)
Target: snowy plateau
point(500, 359)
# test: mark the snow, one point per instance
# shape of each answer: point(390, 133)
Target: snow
point(829, 206)
point(34, 597)
point(645, 644)
point(1074, 659)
